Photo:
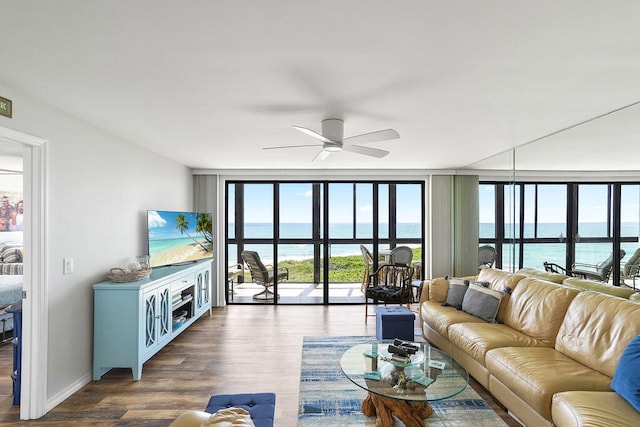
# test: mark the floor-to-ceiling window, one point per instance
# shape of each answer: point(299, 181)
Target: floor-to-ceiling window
point(577, 226)
point(629, 218)
point(315, 230)
point(544, 224)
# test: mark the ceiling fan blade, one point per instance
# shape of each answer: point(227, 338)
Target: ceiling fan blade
point(368, 151)
point(292, 146)
point(312, 133)
point(323, 154)
point(380, 135)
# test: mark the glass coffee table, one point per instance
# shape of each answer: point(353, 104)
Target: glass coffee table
point(399, 388)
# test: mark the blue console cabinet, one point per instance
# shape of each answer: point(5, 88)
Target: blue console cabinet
point(133, 321)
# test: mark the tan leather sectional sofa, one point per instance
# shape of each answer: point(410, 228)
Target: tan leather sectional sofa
point(582, 284)
point(551, 355)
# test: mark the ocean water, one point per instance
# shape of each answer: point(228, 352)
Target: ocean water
point(305, 231)
point(586, 253)
point(534, 255)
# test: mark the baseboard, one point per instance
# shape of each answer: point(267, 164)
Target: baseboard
point(67, 392)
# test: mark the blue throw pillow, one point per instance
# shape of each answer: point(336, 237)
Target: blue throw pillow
point(457, 289)
point(626, 380)
point(482, 302)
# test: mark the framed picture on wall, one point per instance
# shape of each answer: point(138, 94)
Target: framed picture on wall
point(11, 211)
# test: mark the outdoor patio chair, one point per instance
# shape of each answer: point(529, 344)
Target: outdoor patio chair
point(263, 274)
point(368, 265)
point(390, 284)
point(486, 256)
point(233, 273)
point(600, 271)
point(401, 255)
point(552, 267)
point(631, 269)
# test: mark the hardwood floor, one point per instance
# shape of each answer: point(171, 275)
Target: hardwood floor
point(238, 349)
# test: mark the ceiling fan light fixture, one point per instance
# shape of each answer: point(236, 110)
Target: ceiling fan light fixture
point(333, 140)
point(333, 129)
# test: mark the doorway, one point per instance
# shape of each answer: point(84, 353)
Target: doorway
point(35, 303)
point(11, 266)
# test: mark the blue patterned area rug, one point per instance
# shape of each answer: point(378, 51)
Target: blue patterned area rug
point(328, 398)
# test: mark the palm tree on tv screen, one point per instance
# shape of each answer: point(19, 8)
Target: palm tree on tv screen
point(182, 224)
point(204, 227)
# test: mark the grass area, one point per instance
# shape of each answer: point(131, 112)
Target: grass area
point(345, 269)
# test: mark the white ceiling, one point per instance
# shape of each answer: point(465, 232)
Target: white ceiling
point(209, 83)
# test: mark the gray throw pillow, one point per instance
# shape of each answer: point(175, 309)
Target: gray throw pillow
point(457, 290)
point(482, 302)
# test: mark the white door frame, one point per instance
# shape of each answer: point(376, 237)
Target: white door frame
point(33, 395)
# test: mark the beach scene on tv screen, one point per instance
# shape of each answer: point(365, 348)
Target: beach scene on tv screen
point(176, 237)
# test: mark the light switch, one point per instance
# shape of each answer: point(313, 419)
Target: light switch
point(67, 266)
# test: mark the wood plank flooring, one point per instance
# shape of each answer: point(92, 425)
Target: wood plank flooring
point(241, 348)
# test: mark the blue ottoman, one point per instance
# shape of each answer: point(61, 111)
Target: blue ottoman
point(394, 322)
point(261, 406)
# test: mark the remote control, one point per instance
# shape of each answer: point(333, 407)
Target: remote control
point(398, 350)
point(399, 343)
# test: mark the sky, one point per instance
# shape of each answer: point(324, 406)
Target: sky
point(296, 203)
point(162, 225)
point(552, 203)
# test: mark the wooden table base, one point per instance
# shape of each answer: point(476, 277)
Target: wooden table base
point(412, 414)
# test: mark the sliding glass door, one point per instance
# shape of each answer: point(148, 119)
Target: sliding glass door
point(315, 230)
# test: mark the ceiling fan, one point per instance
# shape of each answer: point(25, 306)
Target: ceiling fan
point(333, 141)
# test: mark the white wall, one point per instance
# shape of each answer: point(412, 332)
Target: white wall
point(100, 188)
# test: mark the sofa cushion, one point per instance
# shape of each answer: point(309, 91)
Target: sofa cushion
point(592, 285)
point(597, 329)
point(592, 408)
point(439, 317)
point(542, 275)
point(476, 339)
point(537, 308)
point(499, 279)
point(481, 302)
point(438, 289)
point(455, 294)
point(626, 380)
point(532, 373)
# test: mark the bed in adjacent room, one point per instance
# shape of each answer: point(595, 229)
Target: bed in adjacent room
point(10, 292)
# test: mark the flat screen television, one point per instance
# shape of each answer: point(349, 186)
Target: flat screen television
point(178, 237)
